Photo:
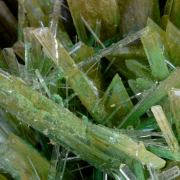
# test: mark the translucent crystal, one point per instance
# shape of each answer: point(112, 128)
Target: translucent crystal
point(93, 143)
point(152, 97)
point(174, 96)
point(165, 128)
point(156, 55)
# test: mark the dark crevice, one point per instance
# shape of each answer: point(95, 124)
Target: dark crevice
point(8, 38)
point(162, 4)
point(68, 21)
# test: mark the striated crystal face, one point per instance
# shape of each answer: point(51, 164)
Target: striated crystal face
point(90, 89)
point(174, 97)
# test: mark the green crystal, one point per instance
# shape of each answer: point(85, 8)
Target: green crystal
point(175, 102)
point(156, 55)
point(78, 86)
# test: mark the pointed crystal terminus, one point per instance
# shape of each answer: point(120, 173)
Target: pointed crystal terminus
point(165, 128)
point(174, 97)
